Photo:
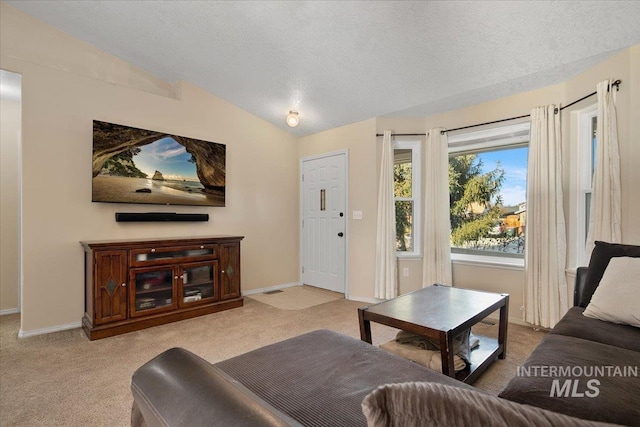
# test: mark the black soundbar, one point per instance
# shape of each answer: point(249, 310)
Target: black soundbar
point(159, 217)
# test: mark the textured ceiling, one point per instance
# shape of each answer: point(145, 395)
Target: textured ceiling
point(342, 62)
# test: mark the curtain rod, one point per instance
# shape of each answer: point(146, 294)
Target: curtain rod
point(557, 110)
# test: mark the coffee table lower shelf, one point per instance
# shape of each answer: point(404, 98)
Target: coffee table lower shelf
point(482, 356)
point(443, 313)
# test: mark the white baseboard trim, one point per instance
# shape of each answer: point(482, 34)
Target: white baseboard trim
point(514, 320)
point(270, 288)
point(364, 299)
point(58, 328)
point(521, 322)
point(9, 311)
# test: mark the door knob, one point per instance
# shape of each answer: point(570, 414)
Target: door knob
point(340, 234)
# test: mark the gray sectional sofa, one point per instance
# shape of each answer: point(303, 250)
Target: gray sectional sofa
point(321, 379)
point(588, 364)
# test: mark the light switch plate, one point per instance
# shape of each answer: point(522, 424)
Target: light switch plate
point(357, 214)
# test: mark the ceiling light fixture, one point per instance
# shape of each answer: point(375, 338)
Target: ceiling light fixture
point(293, 119)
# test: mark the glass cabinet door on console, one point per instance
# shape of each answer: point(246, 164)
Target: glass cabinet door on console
point(134, 284)
point(198, 283)
point(152, 290)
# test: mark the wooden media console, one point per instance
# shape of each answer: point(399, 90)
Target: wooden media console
point(136, 284)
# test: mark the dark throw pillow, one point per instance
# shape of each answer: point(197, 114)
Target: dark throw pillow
point(600, 257)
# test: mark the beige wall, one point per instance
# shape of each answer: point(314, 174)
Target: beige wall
point(620, 66)
point(9, 209)
point(631, 205)
point(465, 275)
point(625, 66)
point(359, 140)
point(68, 83)
point(63, 92)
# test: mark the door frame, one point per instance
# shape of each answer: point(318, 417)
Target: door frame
point(344, 153)
point(18, 192)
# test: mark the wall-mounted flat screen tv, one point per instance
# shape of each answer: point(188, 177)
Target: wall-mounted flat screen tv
point(132, 165)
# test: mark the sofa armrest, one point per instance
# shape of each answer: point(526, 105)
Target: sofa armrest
point(581, 276)
point(178, 388)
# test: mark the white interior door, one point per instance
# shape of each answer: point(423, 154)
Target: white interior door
point(324, 221)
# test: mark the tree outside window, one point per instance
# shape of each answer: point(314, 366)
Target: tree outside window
point(406, 192)
point(402, 192)
point(487, 201)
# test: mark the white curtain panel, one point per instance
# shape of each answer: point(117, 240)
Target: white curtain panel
point(604, 218)
point(437, 223)
point(546, 299)
point(386, 286)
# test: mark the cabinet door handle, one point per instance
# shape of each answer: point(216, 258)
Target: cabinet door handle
point(176, 277)
point(201, 247)
point(222, 272)
point(153, 250)
point(124, 284)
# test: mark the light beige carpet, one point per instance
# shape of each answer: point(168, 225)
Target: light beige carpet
point(297, 297)
point(63, 379)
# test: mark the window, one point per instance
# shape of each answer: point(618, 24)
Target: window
point(406, 192)
point(487, 186)
point(586, 166)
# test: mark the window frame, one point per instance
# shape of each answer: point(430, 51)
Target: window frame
point(492, 139)
point(415, 146)
point(585, 177)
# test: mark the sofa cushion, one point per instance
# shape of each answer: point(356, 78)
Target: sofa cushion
point(321, 378)
point(563, 361)
point(600, 257)
point(428, 404)
point(617, 297)
point(574, 324)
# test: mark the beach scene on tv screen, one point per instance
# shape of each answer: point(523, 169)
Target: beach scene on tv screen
point(132, 165)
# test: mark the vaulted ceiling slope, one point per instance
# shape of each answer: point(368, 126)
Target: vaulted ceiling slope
point(342, 62)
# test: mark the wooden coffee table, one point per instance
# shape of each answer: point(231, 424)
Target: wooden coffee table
point(443, 312)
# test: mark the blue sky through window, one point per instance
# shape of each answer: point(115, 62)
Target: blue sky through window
point(514, 163)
